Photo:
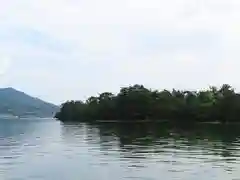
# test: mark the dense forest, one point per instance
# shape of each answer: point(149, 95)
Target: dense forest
point(139, 103)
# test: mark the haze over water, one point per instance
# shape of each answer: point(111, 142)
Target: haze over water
point(45, 149)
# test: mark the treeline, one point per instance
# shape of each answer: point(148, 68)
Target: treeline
point(139, 103)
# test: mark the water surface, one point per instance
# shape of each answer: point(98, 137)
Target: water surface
point(45, 149)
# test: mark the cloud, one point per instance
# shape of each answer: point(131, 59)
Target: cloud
point(5, 63)
point(95, 46)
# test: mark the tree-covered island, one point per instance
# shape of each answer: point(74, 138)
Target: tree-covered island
point(139, 103)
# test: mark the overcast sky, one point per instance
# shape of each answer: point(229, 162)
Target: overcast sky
point(70, 49)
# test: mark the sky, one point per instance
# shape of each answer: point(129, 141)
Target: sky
point(61, 50)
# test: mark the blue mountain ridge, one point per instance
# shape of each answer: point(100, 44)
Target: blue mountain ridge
point(17, 103)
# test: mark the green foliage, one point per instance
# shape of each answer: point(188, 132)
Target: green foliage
point(139, 103)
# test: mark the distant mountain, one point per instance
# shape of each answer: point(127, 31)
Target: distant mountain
point(14, 102)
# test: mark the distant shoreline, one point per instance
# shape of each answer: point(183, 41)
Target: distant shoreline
point(137, 102)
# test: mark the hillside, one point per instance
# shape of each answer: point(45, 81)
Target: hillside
point(18, 103)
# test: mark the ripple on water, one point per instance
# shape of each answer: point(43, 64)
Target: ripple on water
point(52, 150)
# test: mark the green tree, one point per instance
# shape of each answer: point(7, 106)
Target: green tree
point(139, 103)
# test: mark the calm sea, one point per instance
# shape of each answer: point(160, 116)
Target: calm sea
point(45, 149)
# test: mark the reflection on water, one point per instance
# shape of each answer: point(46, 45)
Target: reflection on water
point(47, 149)
point(211, 151)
